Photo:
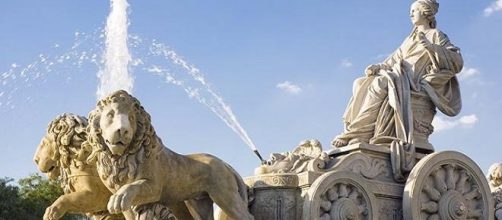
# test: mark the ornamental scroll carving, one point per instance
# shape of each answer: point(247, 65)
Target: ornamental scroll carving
point(370, 168)
point(361, 163)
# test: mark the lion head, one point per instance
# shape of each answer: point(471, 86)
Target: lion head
point(62, 145)
point(121, 136)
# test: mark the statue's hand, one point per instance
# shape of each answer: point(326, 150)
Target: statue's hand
point(53, 213)
point(423, 41)
point(372, 69)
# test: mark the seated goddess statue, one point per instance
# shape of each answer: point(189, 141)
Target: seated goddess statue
point(395, 103)
point(384, 106)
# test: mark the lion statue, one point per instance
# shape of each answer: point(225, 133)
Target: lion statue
point(60, 155)
point(134, 164)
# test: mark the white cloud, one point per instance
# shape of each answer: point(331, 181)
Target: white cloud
point(467, 73)
point(468, 120)
point(346, 63)
point(494, 7)
point(289, 87)
point(441, 123)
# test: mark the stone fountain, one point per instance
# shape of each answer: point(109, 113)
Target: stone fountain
point(382, 166)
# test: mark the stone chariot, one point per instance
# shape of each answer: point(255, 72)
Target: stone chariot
point(357, 182)
point(383, 166)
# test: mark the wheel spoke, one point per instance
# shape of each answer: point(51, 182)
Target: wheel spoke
point(478, 213)
point(474, 193)
point(342, 190)
point(433, 217)
point(332, 194)
point(450, 176)
point(439, 181)
point(433, 194)
point(354, 194)
point(462, 181)
point(430, 207)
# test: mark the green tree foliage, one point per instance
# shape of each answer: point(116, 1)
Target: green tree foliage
point(29, 200)
point(10, 206)
point(38, 193)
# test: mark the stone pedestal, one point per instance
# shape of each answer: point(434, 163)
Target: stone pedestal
point(279, 196)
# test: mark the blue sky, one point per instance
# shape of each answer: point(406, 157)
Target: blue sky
point(285, 67)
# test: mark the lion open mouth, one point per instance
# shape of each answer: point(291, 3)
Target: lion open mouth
point(48, 170)
point(51, 169)
point(116, 148)
point(116, 144)
point(51, 172)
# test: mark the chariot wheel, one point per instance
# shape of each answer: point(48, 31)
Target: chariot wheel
point(448, 186)
point(339, 195)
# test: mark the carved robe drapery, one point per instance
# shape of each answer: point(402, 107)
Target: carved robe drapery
point(380, 110)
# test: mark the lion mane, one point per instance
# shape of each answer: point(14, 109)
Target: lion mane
point(144, 168)
point(68, 132)
point(116, 170)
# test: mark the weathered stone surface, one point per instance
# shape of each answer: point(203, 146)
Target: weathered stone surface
point(279, 196)
point(383, 166)
point(61, 155)
point(396, 101)
point(278, 203)
point(339, 195)
point(134, 164)
point(447, 185)
point(495, 181)
point(444, 185)
point(307, 156)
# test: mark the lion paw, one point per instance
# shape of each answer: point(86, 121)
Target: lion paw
point(53, 213)
point(120, 202)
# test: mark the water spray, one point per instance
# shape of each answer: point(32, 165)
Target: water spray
point(115, 74)
point(117, 59)
point(210, 98)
